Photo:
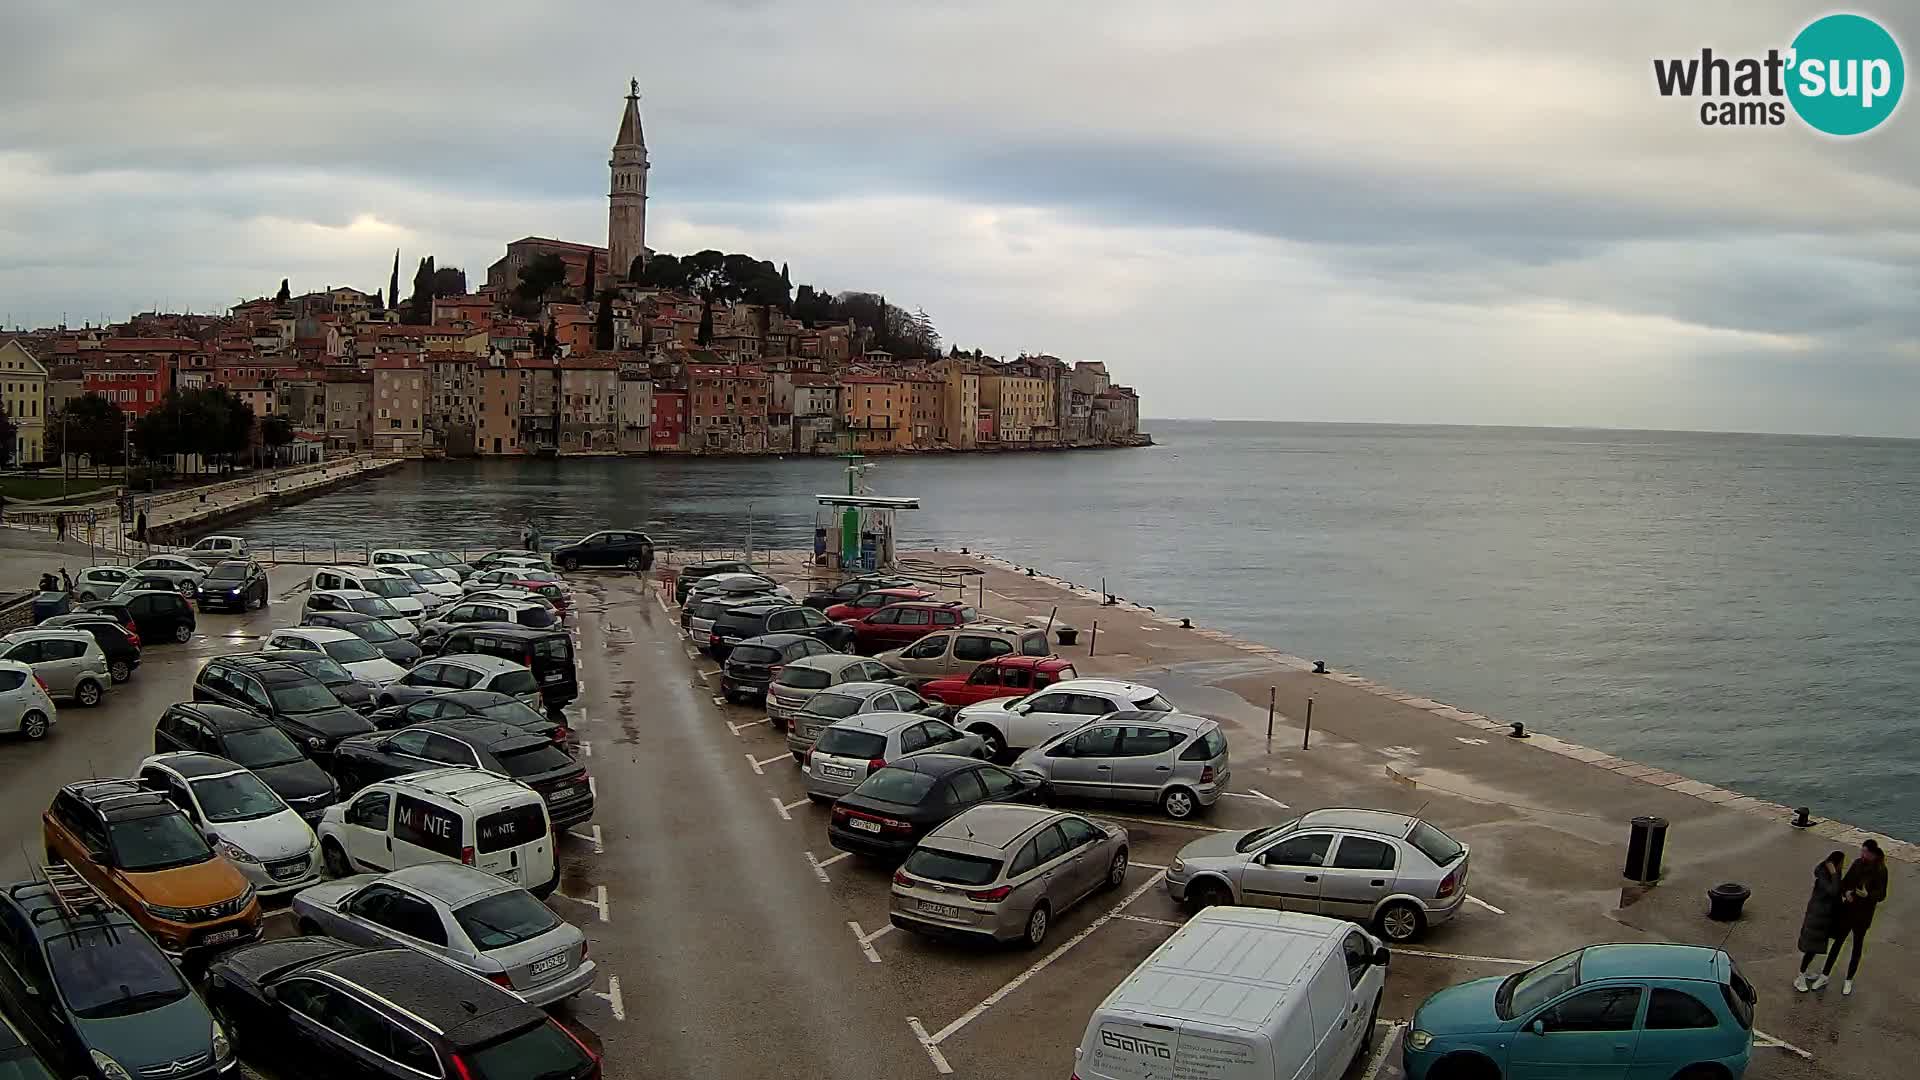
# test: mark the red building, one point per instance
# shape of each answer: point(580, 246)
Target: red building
point(669, 430)
point(136, 385)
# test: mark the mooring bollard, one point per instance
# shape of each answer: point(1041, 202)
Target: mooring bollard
point(1095, 638)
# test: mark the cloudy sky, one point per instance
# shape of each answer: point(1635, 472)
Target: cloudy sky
point(1460, 213)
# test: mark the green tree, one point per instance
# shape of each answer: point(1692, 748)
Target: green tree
point(540, 277)
point(660, 272)
point(420, 304)
point(586, 290)
point(393, 283)
point(448, 281)
point(603, 323)
point(275, 433)
point(89, 426)
point(7, 437)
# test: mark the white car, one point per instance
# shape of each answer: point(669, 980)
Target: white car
point(444, 584)
point(213, 549)
point(100, 582)
point(365, 603)
point(407, 598)
point(182, 572)
point(362, 661)
point(428, 557)
point(67, 663)
point(25, 708)
point(240, 816)
point(1019, 723)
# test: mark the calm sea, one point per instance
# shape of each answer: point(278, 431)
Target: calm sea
point(1744, 609)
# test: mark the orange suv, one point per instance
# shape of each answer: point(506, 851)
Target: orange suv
point(143, 854)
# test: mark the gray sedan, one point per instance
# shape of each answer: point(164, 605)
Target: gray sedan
point(461, 914)
point(849, 699)
point(184, 573)
point(853, 749)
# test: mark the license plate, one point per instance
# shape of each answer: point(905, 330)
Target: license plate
point(221, 936)
point(864, 826)
point(550, 963)
point(510, 875)
point(932, 908)
point(555, 676)
point(837, 772)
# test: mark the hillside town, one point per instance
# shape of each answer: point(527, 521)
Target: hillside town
point(573, 349)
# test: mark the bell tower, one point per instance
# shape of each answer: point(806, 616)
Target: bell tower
point(627, 197)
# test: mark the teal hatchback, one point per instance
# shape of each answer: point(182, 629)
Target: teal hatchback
point(1605, 1012)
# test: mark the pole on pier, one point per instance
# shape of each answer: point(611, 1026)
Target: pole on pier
point(1094, 641)
point(1050, 615)
point(1308, 733)
point(1273, 692)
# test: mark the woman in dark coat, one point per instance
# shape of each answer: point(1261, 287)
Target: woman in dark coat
point(1861, 890)
point(1821, 924)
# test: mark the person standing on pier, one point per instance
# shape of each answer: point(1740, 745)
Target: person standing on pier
point(1820, 926)
point(1861, 891)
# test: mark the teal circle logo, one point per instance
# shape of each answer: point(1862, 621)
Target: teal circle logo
point(1847, 74)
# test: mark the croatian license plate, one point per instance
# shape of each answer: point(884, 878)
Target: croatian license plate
point(546, 964)
point(221, 936)
point(946, 910)
point(864, 826)
point(838, 772)
point(555, 676)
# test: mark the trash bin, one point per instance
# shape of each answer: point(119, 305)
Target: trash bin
point(1645, 847)
point(1724, 901)
point(1067, 635)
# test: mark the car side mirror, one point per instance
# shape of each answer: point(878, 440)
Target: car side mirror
point(1538, 1027)
point(213, 838)
point(1020, 710)
point(1381, 956)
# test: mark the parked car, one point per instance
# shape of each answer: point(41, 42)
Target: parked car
point(121, 643)
point(848, 699)
point(736, 624)
point(1242, 994)
point(753, 663)
point(846, 591)
point(608, 547)
point(1175, 761)
point(851, 750)
point(444, 584)
point(363, 602)
point(157, 615)
point(139, 851)
point(357, 656)
point(245, 820)
point(212, 549)
point(510, 557)
point(367, 628)
point(472, 743)
point(513, 595)
point(315, 1003)
point(1005, 677)
point(1005, 872)
point(99, 582)
point(444, 815)
point(485, 704)
point(699, 615)
point(236, 584)
point(431, 558)
point(17, 1055)
point(957, 651)
point(892, 809)
point(528, 613)
point(686, 577)
point(1639, 1009)
point(748, 584)
point(295, 701)
point(1397, 873)
point(339, 682)
point(899, 625)
point(185, 573)
point(92, 991)
point(469, 671)
point(25, 708)
point(800, 680)
point(873, 600)
point(252, 742)
point(142, 582)
point(69, 664)
point(510, 575)
point(407, 598)
point(1019, 723)
point(462, 915)
point(547, 653)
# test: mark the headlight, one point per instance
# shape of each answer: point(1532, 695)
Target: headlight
point(235, 852)
point(1419, 1040)
point(109, 1069)
point(171, 914)
point(316, 742)
point(1176, 866)
point(222, 1049)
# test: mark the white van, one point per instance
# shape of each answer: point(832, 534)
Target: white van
point(444, 584)
point(407, 599)
point(1242, 994)
point(453, 815)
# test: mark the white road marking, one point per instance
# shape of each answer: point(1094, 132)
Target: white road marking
point(1761, 1038)
point(780, 808)
point(593, 789)
point(1161, 821)
point(1400, 751)
point(1269, 798)
point(1257, 796)
point(820, 868)
point(1382, 1048)
point(1464, 957)
point(612, 997)
point(920, 1032)
point(598, 903)
point(1472, 899)
point(866, 940)
point(1469, 741)
point(1150, 921)
point(661, 599)
point(1145, 865)
point(693, 653)
point(599, 847)
point(738, 728)
point(709, 674)
point(586, 747)
point(720, 701)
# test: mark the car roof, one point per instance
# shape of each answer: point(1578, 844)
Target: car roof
point(992, 827)
point(224, 717)
point(233, 562)
point(56, 633)
point(758, 608)
point(505, 629)
point(776, 641)
point(1176, 721)
point(490, 735)
point(120, 800)
point(1649, 960)
point(934, 764)
point(37, 901)
point(263, 665)
point(463, 786)
point(884, 721)
point(401, 551)
point(1053, 662)
point(513, 603)
point(833, 663)
point(462, 1007)
point(451, 883)
point(1382, 822)
point(902, 590)
point(344, 594)
point(1128, 690)
point(1228, 967)
point(192, 763)
point(318, 633)
point(476, 698)
point(930, 605)
point(486, 662)
point(860, 689)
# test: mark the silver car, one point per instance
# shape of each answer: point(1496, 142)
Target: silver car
point(184, 573)
point(462, 671)
point(700, 614)
point(462, 914)
point(69, 663)
point(1173, 760)
point(801, 679)
point(851, 750)
point(99, 582)
point(1005, 872)
point(844, 700)
point(1396, 872)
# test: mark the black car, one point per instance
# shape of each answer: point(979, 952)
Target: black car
point(249, 741)
point(822, 599)
point(893, 808)
point(121, 644)
point(548, 653)
point(736, 624)
point(94, 993)
point(352, 693)
point(157, 614)
point(295, 701)
point(690, 575)
point(485, 704)
point(369, 629)
point(236, 585)
point(752, 664)
point(608, 547)
point(472, 743)
point(314, 1006)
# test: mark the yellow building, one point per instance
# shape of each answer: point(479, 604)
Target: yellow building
point(879, 412)
point(23, 394)
point(1022, 406)
point(956, 420)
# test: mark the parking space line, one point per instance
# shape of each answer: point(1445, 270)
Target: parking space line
point(593, 789)
point(820, 868)
point(784, 807)
point(709, 674)
point(738, 728)
point(1145, 865)
point(1383, 1048)
point(598, 903)
point(866, 940)
point(720, 701)
point(1464, 957)
point(1472, 899)
point(1161, 821)
point(693, 653)
point(593, 838)
point(586, 747)
point(1149, 920)
point(1761, 1038)
point(920, 1032)
point(612, 997)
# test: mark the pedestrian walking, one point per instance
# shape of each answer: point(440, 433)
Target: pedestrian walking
point(1820, 926)
point(533, 537)
point(1862, 889)
point(60, 526)
point(140, 527)
point(3, 508)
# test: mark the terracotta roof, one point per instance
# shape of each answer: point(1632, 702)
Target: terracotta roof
point(394, 363)
point(590, 363)
point(134, 344)
point(550, 242)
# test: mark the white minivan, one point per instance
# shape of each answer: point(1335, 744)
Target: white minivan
point(407, 598)
point(1242, 994)
point(456, 815)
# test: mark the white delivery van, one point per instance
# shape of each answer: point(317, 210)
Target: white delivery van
point(1242, 994)
point(459, 815)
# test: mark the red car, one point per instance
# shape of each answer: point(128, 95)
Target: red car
point(902, 624)
point(1004, 676)
point(555, 594)
point(867, 603)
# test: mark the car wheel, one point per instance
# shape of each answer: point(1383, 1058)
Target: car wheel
point(1178, 803)
point(1038, 923)
point(86, 693)
point(336, 859)
point(34, 724)
point(569, 564)
point(85, 596)
point(308, 928)
point(776, 723)
point(633, 562)
point(225, 1018)
point(182, 633)
point(996, 746)
point(1464, 1067)
point(1400, 921)
point(1116, 870)
point(1208, 894)
point(120, 671)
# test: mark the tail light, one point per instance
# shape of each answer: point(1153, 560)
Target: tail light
point(42, 683)
point(561, 735)
point(528, 662)
point(460, 1068)
point(591, 1056)
point(499, 978)
point(806, 761)
point(989, 896)
point(133, 638)
point(896, 825)
point(901, 879)
point(466, 855)
point(1447, 885)
point(840, 815)
point(1206, 775)
point(874, 765)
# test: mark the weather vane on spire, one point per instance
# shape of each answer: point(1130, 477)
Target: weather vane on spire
point(633, 87)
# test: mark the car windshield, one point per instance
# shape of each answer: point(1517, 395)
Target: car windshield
point(104, 972)
point(852, 742)
point(801, 678)
point(896, 786)
point(260, 748)
point(302, 697)
point(951, 867)
point(514, 682)
point(838, 706)
point(227, 572)
point(376, 606)
point(503, 919)
point(156, 842)
point(426, 577)
point(533, 760)
point(376, 632)
point(755, 654)
point(1434, 844)
point(388, 588)
point(350, 651)
point(1521, 994)
point(541, 1052)
point(236, 797)
point(325, 669)
point(516, 713)
point(1259, 836)
point(539, 618)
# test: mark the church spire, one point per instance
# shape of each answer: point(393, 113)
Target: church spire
point(630, 133)
point(627, 195)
